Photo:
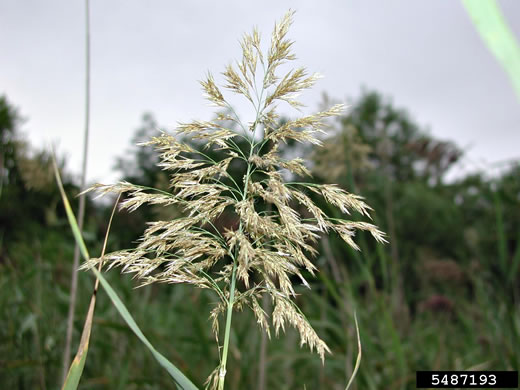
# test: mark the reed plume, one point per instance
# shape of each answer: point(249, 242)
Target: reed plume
point(269, 249)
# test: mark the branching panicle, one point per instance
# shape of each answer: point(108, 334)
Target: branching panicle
point(272, 242)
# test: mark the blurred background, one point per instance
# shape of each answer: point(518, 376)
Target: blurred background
point(430, 139)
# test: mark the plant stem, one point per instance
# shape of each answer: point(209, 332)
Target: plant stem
point(222, 371)
point(81, 214)
point(231, 301)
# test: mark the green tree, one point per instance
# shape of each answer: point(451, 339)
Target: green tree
point(399, 147)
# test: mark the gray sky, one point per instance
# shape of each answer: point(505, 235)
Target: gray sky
point(148, 56)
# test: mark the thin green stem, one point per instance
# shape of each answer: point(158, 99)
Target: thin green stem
point(81, 213)
point(262, 143)
point(232, 288)
point(214, 284)
point(231, 189)
point(231, 301)
point(234, 182)
point(238, 121)
point(237, 149)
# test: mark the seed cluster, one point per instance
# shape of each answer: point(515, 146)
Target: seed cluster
point(271, 246)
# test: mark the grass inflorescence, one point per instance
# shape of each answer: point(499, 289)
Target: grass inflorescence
point(271, 247)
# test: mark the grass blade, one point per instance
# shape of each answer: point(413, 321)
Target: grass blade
point(497, 35)
point(77, 365)
point(71, 381)
point(358, 360)
point(76, 368)
point(73, 377)
point(70, 214)
point(182, 381)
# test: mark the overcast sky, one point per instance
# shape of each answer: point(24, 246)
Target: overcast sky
point(148, 56)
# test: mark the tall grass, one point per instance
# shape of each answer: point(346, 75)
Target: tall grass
point(273, 241)
point(81, 213)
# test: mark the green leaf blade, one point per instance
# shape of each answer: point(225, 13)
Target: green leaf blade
point(76, 369)
point(498, 37)
point(180, 379)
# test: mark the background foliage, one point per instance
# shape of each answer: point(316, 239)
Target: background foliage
point(442, 295)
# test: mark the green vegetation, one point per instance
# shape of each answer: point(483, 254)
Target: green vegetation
point(443, 294)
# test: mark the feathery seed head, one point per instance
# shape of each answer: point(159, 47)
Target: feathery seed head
point(273, 242)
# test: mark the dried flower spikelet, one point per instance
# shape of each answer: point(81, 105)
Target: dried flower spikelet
point(280, 50)
point(104, 189)
point(296, 166)
point(212, 92)
point(246, 253)
point(291, 85)
point(212, 382)
point(313, 124)
point(317, 213)
point(342, 199)
point(260, 315)
point(285, 310)
point(236, 84)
